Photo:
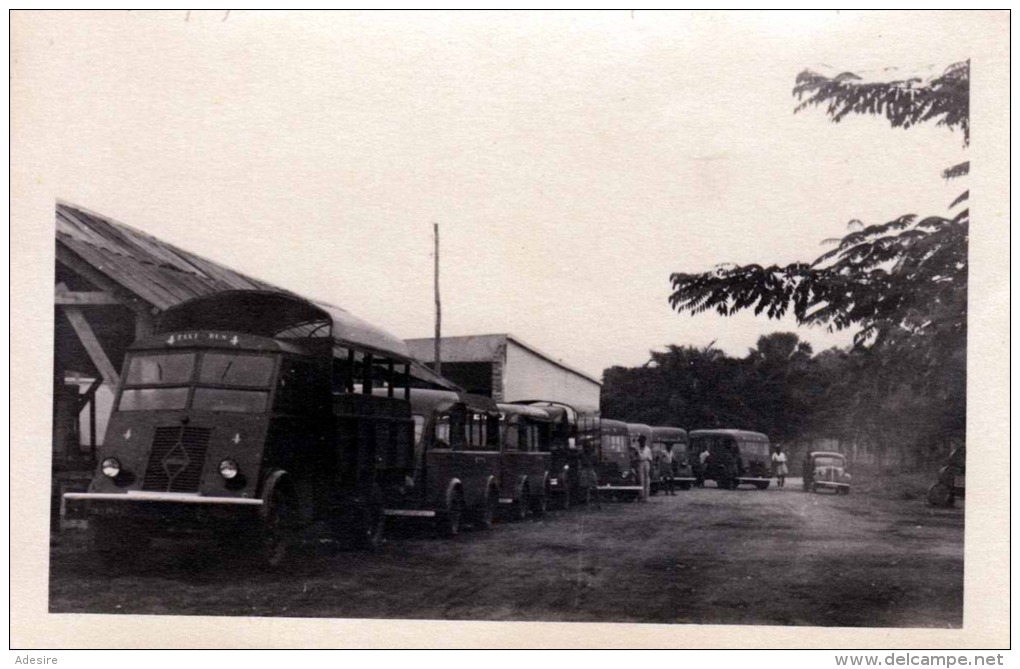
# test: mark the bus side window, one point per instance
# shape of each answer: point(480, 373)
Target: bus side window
point(492, 430)
point(522, 435)
point(542, 433)
point(458, 424)
point(441, 432)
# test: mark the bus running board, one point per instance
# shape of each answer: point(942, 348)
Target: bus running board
point(410, 513)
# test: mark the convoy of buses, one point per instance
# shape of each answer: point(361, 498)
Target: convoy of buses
point(252, 416)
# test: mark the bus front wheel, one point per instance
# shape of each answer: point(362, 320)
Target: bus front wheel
point(372, 526)
point(117, 546)
point(565, 500)
point(276, 531)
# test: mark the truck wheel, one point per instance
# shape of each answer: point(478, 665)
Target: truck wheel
point(448, 521)
point(373, 526)
point(565, 500)
point(520, 505)
point(539, 504)
point(762, 485)
point(276, 533)
point(939, 494)
point(487, 512)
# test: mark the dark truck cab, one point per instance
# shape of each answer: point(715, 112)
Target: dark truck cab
point(457, 465)
point(574, 444)
point(525, 459)
point(734, 457)
point(246, 418)
point(676, 439)
point(616, 474)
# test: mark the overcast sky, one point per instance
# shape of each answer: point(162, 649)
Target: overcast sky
point(573, 161)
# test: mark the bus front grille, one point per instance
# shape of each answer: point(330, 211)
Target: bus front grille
point(176, 459)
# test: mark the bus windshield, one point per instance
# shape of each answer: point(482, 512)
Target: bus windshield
point(228, 369)
point(168, 369)
point(227, 382)
point(755, 448)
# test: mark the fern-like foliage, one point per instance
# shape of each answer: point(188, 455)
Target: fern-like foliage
point(903, 283)
point(944, 99)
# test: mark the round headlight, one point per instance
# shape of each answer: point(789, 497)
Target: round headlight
point(111, 467)
point(228, 469)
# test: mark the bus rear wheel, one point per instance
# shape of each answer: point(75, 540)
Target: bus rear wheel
point(448, 521)
point(539, 504)
point(372, 526)
point(940, 494)
point(520, 505)
point(487, 511)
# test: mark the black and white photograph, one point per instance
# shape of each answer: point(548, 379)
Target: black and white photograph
point(378, 328)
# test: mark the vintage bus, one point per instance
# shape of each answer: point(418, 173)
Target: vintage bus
point(457, 462)
point(526, 459)
point(574, 447)
point(734, 457)
point(615, 469)
point(248, 417)
point(676, 438)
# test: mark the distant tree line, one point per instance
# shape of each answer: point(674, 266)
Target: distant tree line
point(854, 398)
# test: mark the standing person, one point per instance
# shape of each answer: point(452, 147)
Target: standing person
point(702, 465)
point(779, 468)
point(645, 467)
point(666, 466)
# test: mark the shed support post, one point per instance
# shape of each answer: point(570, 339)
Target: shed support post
point(92, 346)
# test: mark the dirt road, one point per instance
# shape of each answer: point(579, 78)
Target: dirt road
point(779, 556)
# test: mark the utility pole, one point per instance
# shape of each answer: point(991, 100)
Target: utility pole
point(438, 365)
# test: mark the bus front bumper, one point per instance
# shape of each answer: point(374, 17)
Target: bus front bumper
point(831, 484)
point(169, 512)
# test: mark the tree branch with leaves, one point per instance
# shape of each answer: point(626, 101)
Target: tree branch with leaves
point(902, 284)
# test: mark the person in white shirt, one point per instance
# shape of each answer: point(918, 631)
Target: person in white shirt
point(666, 468)
point(644, 467)
point(779, 468)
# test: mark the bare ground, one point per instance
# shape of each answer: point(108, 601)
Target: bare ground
point(780, 556)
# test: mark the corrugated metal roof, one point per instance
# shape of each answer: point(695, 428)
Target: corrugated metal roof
point(164, 276)
point(159, 273)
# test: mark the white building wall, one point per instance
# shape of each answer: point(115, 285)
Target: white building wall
point(528, 376)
